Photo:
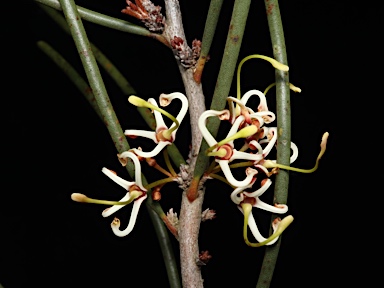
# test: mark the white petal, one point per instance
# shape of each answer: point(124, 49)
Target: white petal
point(158, 116)
point(267, 116)
point(258, 118)
point(122, 182)
point(142, 133)
point(232, 108)
point(266, 131)
point(136, 161)
point(261, 167)
point(295, 152)
point(154, 152)
point(257, 145)
point(184, 107)
point(255, 231)
point(236, 196)
point(203, 129)
point(271, 143)
point(259, 191)
point(132, 219)
point(235, 127)
point(262, 205)
point(228, 175)
point(263, 101)
point(245, 156)
point(109, 211)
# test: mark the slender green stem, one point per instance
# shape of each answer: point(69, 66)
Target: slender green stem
point(210, 25)
point(162, 170)
point(93, 74)
point(108, 21)
point(123, 84)
point(221, 178)
point(226, 72)
point(109, 117)
point(168, 163)
point(212, 167)
point(230, 57)
point(208, 34)
point(175, 155)
point(283, 113)
point(165, 245)
point(72, 74)
point(159, 182)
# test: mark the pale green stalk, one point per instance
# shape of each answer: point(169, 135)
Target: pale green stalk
point(208, 34)
point(283, 115)
point(72, 74)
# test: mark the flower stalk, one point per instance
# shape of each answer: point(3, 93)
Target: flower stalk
point(283, 112)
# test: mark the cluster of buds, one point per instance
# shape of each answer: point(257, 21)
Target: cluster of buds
point(151, 16)
point(148, 13)
point(259, 140)
point(187, 56)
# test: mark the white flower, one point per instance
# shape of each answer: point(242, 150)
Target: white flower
point(136, 193)
point(263, 115)
point(162, 135)
point(135, 189)
point(270, 142)
point(247, 200)
point(224, 151)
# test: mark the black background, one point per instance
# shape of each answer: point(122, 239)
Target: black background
point(54, 145)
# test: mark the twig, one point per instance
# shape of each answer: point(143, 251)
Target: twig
point(283, 113)
point(108, 21)
point(209, 33)
point(190, 212)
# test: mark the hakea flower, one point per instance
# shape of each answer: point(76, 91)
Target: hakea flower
point(245, 201)
point(270, 140)
point(263, 115)
point(136, 194)
point(162, 135)
point(224, 151)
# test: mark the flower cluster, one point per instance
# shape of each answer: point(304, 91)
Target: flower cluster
point(258, 141)
point(162, 136)
point(249, 127)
